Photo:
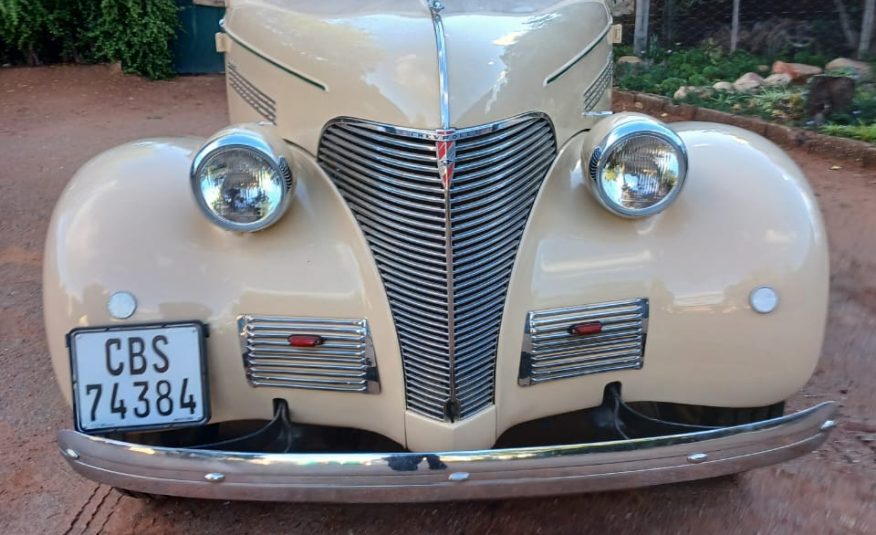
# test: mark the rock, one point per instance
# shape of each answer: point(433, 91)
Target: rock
point(799, 72)
point(687, 91)
point(724, 87)
point(860, 70)
point(683, 92)
point(778, 80)
point(704, 92)
point(748, 82)
point(829, 94)
point(629, 60)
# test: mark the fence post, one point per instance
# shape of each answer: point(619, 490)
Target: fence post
point(867, 29)
point(734, 31)
point(668, 21)
point(643, 16)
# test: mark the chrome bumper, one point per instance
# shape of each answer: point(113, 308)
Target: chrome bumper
point(460, 475)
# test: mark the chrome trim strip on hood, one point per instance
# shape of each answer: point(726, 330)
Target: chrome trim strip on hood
point(578, 57)
point(435, 7)
point(271, 61)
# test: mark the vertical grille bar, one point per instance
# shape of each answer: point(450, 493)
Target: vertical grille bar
point(444, 251)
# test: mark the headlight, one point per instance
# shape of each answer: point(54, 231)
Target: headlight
point(639, 167)
point(241, 181)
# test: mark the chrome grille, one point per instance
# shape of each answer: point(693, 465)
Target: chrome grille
point(600, 85)
point(551, 351)
point(445, 254)
point(343, 362)
point(260, 102)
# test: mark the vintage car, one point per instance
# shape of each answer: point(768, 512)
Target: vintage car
point(426, 262)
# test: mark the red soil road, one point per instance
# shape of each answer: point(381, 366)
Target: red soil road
point(53, 119)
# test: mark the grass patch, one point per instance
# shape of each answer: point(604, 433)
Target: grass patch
point(864, 132)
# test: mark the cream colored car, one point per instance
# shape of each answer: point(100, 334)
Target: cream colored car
point(426, 262)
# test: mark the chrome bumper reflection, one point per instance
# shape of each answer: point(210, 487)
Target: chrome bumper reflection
point(461, 475)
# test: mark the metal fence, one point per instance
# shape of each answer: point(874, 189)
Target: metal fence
point(767, 27)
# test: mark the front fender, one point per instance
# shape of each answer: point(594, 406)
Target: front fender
point(746, 218)
point(127, 221)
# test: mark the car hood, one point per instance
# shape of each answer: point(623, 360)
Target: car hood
point(379, 60)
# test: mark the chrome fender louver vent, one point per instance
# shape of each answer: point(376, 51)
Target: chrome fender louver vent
point(259, 101)
point(443, 212)
point(594, 93)
point(342, 361)
point(570, 342)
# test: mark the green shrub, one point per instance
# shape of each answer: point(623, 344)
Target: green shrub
point(22, 27)
point(69, 25)
point(862, 110)
point(670, 69)
point(136, 32)
point(864, 132)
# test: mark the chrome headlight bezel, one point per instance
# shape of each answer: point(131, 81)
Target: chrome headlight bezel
point(247, 139)
point(614, 140)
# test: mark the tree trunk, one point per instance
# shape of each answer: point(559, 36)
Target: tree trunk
point(867, 29)
point(734, 30)
point(643, 17)
point(846, 24)
point(669, 22)
point(32, 58)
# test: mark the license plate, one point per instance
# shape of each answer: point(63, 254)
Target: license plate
point(139, 377)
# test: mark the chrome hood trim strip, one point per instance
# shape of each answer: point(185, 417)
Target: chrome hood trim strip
point(446, 154)
point(435, 7)
point(556, 75)
point(304, 78)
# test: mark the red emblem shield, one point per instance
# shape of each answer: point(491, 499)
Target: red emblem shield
point(445, 149)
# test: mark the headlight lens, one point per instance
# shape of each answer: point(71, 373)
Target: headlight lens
point(639, 168)
point(240, 182)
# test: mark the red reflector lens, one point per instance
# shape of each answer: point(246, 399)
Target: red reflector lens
point(586, 328)
point(305, 340)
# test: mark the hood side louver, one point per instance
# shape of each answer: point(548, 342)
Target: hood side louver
point(260, 101)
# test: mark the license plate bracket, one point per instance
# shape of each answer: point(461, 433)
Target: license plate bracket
point(173, 352)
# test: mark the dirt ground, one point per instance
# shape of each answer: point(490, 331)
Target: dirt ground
point(53, 119)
